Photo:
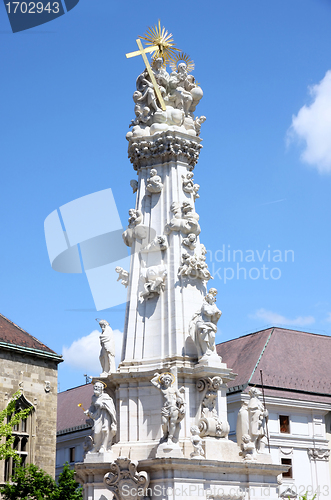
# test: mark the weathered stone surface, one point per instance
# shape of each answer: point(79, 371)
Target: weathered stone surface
point(36, 378)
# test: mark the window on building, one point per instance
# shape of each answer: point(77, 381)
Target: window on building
point(287, 461)
point(71, 454)
point(21, 433)
point(284, 424)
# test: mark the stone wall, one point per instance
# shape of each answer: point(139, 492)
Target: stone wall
point(36, 378)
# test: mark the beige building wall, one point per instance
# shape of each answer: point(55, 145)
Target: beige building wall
point(34, 374)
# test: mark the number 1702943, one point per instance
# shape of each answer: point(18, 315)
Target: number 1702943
point(32, 7)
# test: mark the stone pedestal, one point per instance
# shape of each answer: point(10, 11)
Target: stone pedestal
point(178, 478)
point(99, 458)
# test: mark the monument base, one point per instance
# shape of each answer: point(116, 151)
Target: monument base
point(221, 449)
point(167, 450)
point(99, 458)
point(175, 478)
point(212, 360)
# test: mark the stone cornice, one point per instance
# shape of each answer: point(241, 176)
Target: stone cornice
point(222, 467)
point(195, 372)
point(278, 401)
point(32, 352)
point(163, 148)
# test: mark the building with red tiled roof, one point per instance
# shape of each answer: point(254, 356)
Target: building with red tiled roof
point(29, 366)
point(13, 336)
point(296, 374)
point(73, 426)
point(294, 364)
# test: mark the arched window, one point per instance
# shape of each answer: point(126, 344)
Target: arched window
point(23, 434)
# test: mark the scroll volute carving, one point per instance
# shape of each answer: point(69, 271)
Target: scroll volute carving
point(124, 481)
point(209, 422)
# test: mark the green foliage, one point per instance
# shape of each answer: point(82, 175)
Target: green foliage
point(9, 417)
point(305, 497)
point(68, 488)
point(31, 483)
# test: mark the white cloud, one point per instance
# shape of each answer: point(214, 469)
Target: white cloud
point(83, 353)
point(312, 125)
point(275, 318)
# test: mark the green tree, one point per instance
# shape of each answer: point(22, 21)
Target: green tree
point(68, 488)
point(9, 418)
point(31, 483)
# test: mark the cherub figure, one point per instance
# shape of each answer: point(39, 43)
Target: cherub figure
point(154, 182)
point(154, 280)
point(248, 451)
point(197, 443)
point(135, 218)
point(190, 241)
point(198, 122)
point(189, 186)
point(159, 243)
point(122, 275)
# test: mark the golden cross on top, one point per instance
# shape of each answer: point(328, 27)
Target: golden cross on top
point(142, 52)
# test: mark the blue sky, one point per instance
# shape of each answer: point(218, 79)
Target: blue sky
point(264, 171)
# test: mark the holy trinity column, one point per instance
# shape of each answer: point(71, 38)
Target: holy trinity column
point(160, 420)
point(168, 275)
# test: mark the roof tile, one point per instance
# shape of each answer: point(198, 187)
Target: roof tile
point(10, 333)
point(69, 414)
point(292, 360)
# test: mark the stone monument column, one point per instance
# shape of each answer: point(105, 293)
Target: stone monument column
point(171, 430)
point(171, 317)
point(158, 315)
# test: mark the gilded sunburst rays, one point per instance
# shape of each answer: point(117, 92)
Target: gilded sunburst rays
point(181, 57)
point(163, 40)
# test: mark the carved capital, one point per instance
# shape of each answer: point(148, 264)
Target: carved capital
point(124, 481)
point(162, 148)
